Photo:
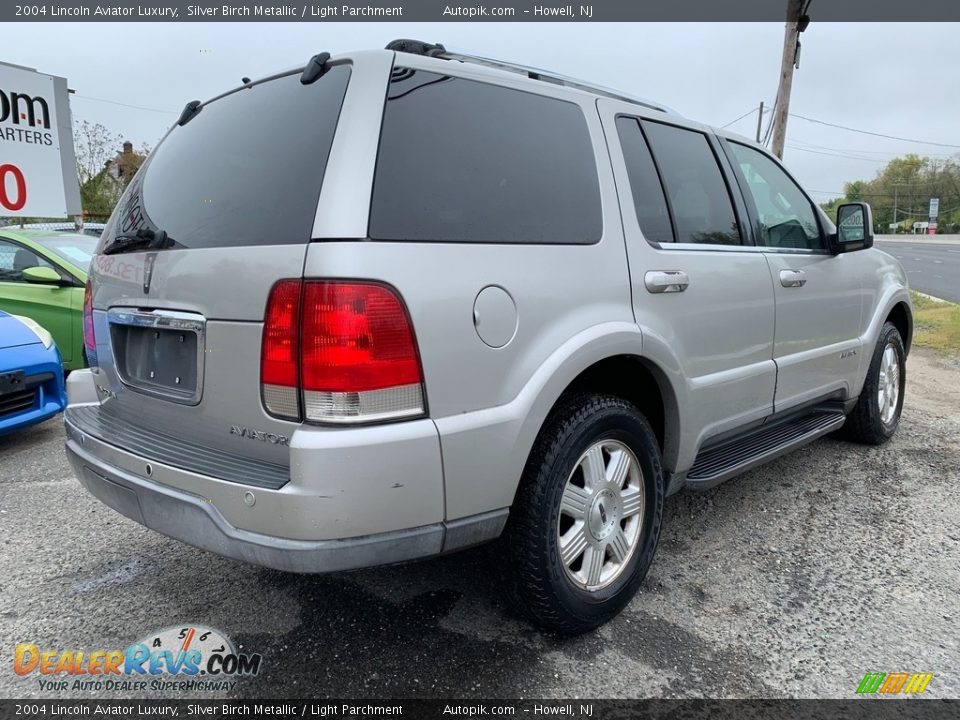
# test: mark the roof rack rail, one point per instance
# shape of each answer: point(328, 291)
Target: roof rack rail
point(418, 47)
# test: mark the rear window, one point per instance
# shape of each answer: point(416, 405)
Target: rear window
point(246, 170)
point(465, 161)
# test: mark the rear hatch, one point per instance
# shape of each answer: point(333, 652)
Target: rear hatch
point(230, 195)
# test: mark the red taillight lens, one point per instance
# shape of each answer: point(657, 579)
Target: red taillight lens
point(348, 346)
point(280, 358)
point(89, 338)
point(356, 338)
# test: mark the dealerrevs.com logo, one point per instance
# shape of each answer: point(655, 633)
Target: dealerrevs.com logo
point(185, 658)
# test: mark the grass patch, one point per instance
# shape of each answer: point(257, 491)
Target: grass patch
point(936, 325)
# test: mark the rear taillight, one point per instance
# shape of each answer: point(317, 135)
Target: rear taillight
point(89, 339)
point(279, 362)
point(346, 350)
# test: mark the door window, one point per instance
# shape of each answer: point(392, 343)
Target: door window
point(15, 259)
point(702, 209)
point(649, 201)
point(787, 218)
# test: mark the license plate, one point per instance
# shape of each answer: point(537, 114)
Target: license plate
point(11, 382)
point(158, 358)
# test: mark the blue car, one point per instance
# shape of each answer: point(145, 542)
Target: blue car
point(31, 374)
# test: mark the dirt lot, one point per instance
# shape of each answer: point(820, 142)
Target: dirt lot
point(793, 580)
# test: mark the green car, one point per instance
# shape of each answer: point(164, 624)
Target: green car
point(42, 277)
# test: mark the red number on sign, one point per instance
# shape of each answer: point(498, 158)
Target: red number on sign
point(21, 184)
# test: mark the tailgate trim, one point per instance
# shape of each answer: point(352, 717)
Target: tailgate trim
point(151, 444)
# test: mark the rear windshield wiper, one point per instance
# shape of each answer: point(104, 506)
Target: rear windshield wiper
point(143, 239)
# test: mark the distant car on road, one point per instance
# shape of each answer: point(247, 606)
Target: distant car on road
point(42, 277)
point(31, 374)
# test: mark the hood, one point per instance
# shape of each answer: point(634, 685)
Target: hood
point(14, 333)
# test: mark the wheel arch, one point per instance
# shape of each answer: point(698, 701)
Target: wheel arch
point(901, 315)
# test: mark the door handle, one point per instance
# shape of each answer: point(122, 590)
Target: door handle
point(666, 281)
point(793, 278)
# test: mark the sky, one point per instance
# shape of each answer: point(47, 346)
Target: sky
point(892, 79)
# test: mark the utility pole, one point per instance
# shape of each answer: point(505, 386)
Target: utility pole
point(759, 121)
point(797, 21)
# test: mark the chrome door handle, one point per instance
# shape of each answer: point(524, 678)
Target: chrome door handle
point(793, 278)
point(666, 281)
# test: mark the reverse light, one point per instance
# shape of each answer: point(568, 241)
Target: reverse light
point(346, 350)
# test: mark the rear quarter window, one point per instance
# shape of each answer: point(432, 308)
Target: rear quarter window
point(466, 161)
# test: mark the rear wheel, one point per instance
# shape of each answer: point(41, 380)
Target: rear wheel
point(586, 520)
point(876, 415)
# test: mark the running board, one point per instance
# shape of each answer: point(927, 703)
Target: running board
point(721, 462)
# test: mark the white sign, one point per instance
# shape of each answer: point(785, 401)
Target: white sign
point(38, 173)
point(934, 208)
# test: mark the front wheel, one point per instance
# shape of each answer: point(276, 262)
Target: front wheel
point(876, 415)
point(586, 520)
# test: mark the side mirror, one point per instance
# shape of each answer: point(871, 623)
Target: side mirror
point(854, 228)
point(42, 275)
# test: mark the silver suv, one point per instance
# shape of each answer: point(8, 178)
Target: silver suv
point(396, 303)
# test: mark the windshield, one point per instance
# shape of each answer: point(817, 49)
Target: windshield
point(77, 250)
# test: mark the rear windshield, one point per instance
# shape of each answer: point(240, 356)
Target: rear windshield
point(246, 170)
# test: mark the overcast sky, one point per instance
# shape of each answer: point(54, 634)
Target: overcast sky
point(896, 79)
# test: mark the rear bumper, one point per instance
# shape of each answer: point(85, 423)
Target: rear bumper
point(348, 504)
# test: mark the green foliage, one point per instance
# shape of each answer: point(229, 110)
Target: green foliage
point(103, 169)
point(905, 187)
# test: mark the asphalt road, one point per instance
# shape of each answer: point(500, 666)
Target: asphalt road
point(792, 580)
point(931, 268)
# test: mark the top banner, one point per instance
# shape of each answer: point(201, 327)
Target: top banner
point(499, 11)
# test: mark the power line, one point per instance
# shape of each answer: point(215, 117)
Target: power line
point(751, 111)
point(875, 134)
point(862, 151)
point(114, 102)
point(850, 157)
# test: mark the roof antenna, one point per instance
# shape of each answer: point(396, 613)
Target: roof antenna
point(190, 111)
point(316, 67)
point(245, 80)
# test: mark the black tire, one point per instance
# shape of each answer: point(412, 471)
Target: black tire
point(540, 584)
point(865, 424)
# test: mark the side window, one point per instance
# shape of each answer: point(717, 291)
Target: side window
point(15, 259)
point(648, 199)
point(787, 218)
point(466, 161)
point(701, 204)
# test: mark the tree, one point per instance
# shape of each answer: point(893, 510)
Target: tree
point(901, 192)
point(102, 170)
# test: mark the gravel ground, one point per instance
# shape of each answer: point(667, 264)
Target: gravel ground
point(793, 580)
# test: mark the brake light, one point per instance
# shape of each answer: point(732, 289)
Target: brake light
point(89, 338)
point(346, 349)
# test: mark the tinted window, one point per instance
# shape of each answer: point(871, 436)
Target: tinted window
point(787, 218)
point(648, 199)
point(698, 194)
point(464, 161)
point(246, 170)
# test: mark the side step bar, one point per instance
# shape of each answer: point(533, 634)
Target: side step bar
point(721, 462)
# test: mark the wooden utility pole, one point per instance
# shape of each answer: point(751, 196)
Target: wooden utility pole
point(781, 108)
